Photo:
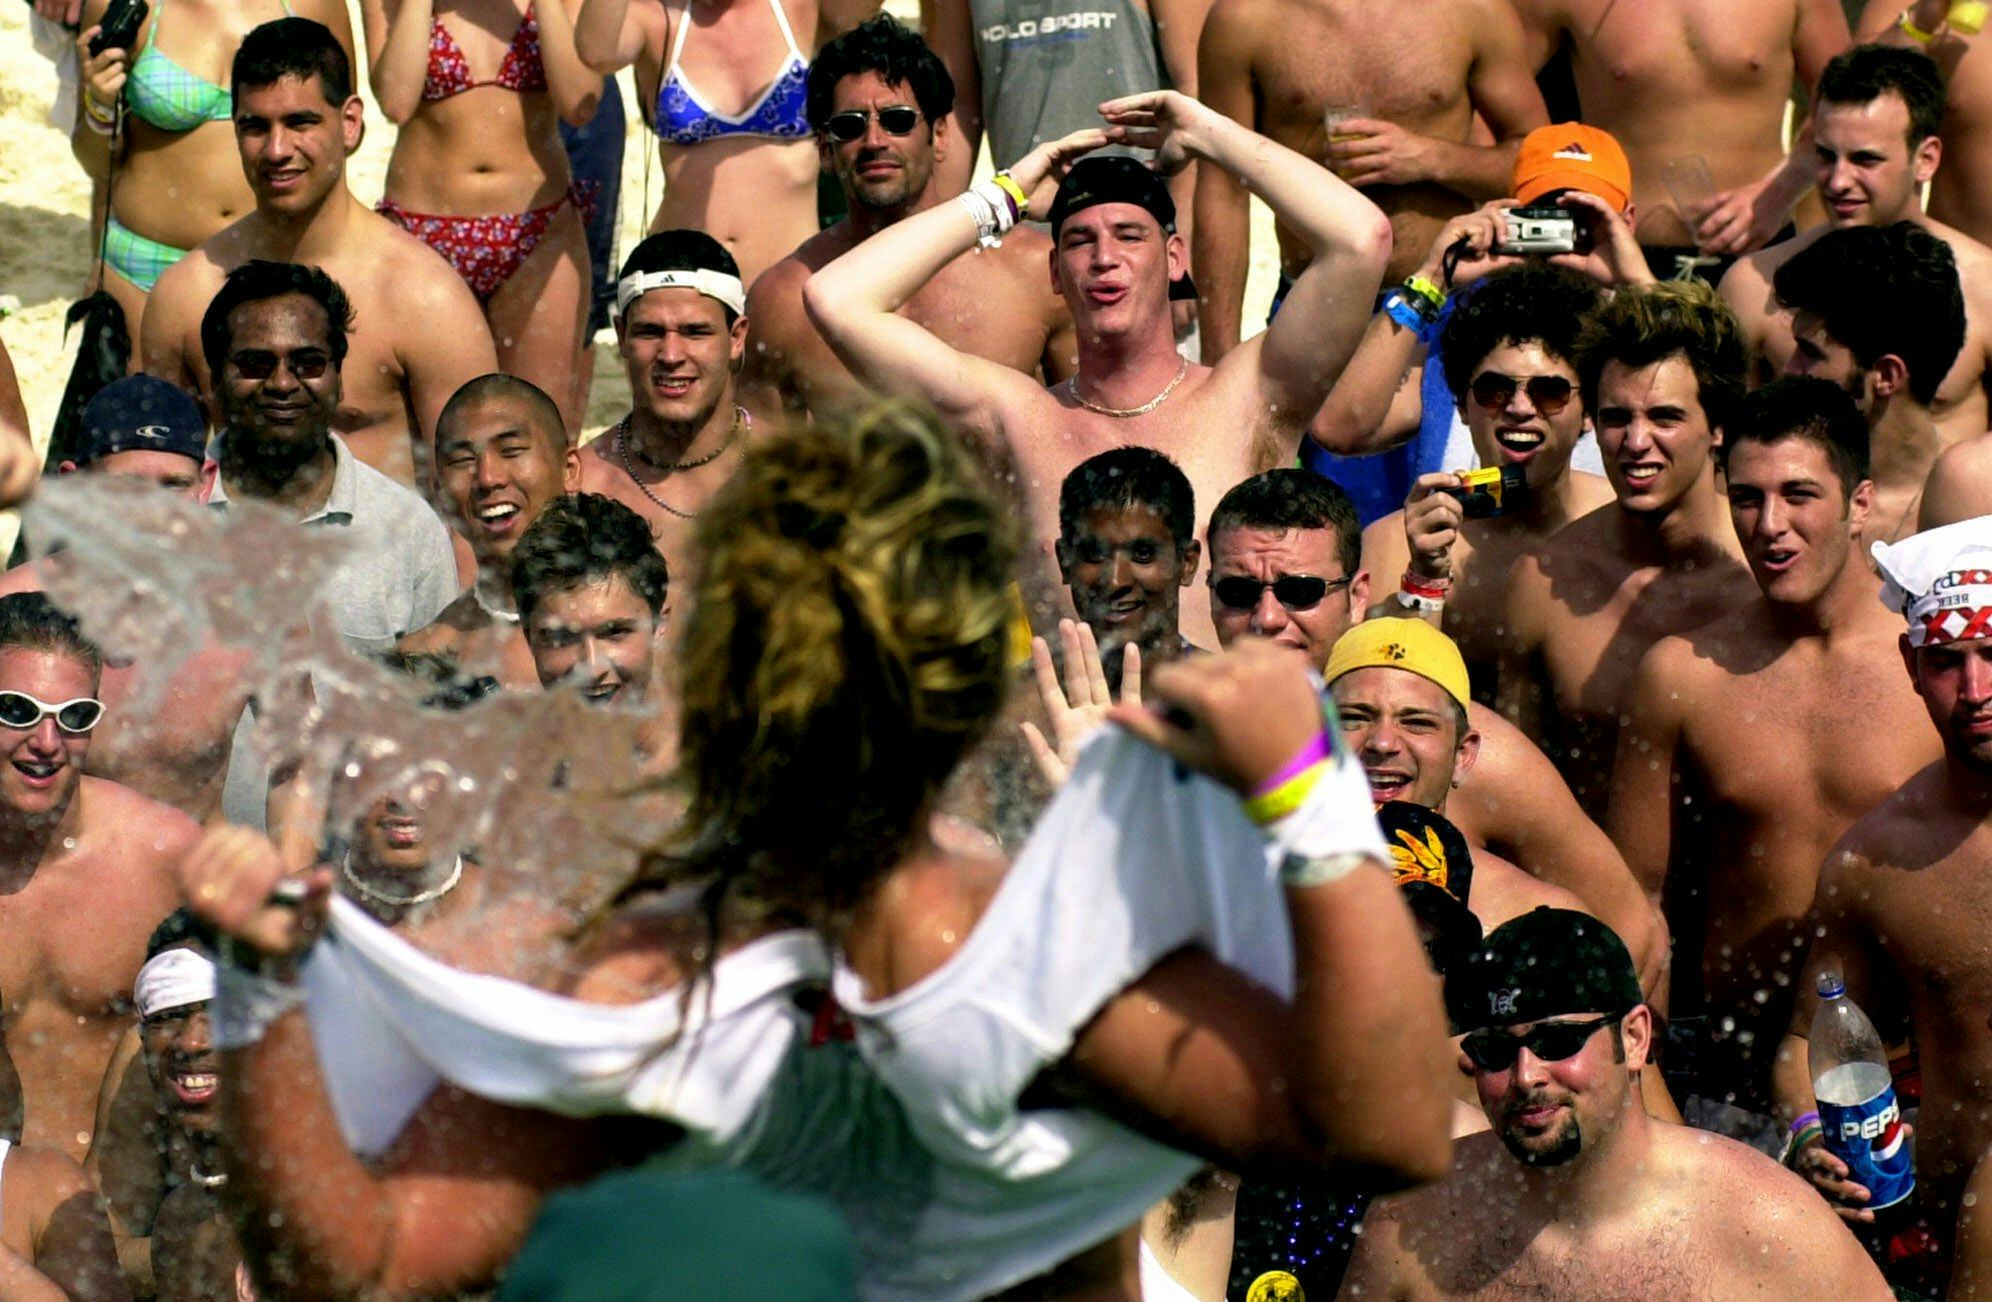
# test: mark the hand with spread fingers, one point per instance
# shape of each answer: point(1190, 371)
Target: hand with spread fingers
point(1176, 127)
point(1238, 716)
point(1039, 173)
point(1078, 705)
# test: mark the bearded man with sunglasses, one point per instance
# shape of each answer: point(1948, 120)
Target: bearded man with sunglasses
point(879, 102)
point(1576, 1193)
point(275, 337)
point(86, 872)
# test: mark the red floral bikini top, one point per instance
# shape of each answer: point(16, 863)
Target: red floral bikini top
point(521, 71)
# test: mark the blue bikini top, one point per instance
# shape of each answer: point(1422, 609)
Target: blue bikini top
point(684, 118)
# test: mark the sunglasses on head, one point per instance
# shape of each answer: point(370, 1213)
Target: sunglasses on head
point(1494, 1050)
point(1548, 394)
point(261, 364)
point(20, 710)
point(1294, 591)
point(851, 124)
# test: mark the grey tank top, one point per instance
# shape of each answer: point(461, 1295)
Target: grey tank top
point(1047, 64)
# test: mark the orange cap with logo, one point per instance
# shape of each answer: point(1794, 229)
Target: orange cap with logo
point(1572, 156)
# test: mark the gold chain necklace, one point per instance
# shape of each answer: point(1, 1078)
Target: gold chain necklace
point(1122, 413)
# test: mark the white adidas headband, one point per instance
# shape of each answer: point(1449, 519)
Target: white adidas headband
point(715, 285)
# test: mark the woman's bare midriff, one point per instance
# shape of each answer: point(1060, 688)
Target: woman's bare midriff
point(481, 153)
point(180, 188)
point(755, 195)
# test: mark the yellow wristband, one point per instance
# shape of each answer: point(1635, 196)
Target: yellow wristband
point(1968, 17)
point(105, 113)
point(1272, 806)
point(1426, 290)
point(1910, 30)
point(1015, 191)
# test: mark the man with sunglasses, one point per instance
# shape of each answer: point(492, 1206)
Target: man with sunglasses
point(879, 101)
point(88, 871)
point(1506, 350)
point(1119, 264)
point(1659, 367)
point(1734, 774)
point(275, 337)
point(1576, 1193)
point(419, 334)
point(1286, 565)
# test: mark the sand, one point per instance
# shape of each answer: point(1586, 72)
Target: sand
point(45, 252)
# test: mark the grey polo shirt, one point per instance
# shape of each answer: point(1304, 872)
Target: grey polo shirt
point(399, 572)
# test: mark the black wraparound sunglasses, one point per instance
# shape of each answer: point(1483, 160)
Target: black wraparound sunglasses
point(851, 124)
point(1294, 591)
point(1492, 1050)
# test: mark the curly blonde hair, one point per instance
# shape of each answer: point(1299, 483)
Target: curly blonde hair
point(846, 646)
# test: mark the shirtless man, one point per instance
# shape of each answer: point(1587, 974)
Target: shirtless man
point(1116, 256)
point(176, 750)
point(419, 332)
point(682, 335)
point(1958, 193)
point(1734, 774)
point(1878, 311)
point(88, 867)
point(1507, 350)
point(1408, 102)
point(1400, 688)
point(1286, 564)
point(501, 455)
point(1659, 368)
point(1904, 896)
point(879, 102)
point(1680, 82)
point(1575, 1193)
point(1875, 145)
point(1127, 549)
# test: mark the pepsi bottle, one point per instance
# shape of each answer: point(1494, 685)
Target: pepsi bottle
point(1857, 1108)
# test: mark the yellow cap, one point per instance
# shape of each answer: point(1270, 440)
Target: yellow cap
point(1408, 644)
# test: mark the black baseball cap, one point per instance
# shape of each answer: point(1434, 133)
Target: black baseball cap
point(141, 413)
point(1546, 963)
point(1433, 866)
point(1116, 178)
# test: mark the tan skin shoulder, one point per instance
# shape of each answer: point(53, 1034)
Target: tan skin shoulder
point(919, 918)
point(115, 810)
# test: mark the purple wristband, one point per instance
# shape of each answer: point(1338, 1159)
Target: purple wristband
point(1801, 1122)
point(1311, 754)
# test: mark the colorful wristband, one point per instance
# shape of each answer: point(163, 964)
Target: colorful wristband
point(1019, 201)
point(1309, 755)
point(1271, 806)
point(1910, 30)
point(1426, 290)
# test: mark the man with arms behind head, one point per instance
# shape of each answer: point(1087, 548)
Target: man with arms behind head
point(501, 455)
point(1410, 101)
point(1734, 773)
point(1286, 565)
point(177, 750)
point(1118, 262)
point(1902, 897)
point(86, 866)
point(419, 332)
point(1659, 367)
point(1699, 91)
point(1878, 311)
point(879, 102)
point(1576, 1193)
point(681, 333)
point(1875, 146)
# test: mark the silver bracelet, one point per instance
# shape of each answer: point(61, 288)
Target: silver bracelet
point(1319, 870)
point(989, 207)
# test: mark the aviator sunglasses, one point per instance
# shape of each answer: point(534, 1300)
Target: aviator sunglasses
point(1293, 591)
point(894, 120)
point(1548, 394)
point(1492, 1050)
point(20, 710)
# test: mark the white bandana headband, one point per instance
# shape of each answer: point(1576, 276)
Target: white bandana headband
point(716, 285)
point(172, 979)
point(1940, 580)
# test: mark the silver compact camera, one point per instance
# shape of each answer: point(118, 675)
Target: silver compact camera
point(1538, 228)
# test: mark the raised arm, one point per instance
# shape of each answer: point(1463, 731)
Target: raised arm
point(855, 301)
point(949, 29)
point(1221, 236)
point(101, 84)
point(397, 35)
point(609, 35)
point(575, 87)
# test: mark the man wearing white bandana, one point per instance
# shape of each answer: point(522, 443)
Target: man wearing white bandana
point(682, 332)
point(1904, 897)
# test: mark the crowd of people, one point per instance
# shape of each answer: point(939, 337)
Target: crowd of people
point(997, 776)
